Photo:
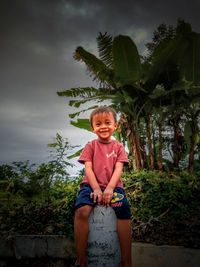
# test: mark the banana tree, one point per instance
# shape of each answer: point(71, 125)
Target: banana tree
point(118, 71)
point(176, 66)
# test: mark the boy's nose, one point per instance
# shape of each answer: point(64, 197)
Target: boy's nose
point(103, 126)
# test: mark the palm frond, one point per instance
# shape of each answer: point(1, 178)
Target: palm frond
point(181, 55)
point(189, 60)
point(99, 98)
point(73, 115)
point(95, 66)
point(105, 42)
point(126, 61)
point(83, 92)
point(82, 124)
point(76, 154)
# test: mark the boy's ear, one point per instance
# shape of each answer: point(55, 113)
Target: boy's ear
point(116, 126)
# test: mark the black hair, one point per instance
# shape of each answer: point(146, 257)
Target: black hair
point(103, 109)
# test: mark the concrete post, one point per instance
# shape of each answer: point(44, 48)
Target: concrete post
point(103, 243)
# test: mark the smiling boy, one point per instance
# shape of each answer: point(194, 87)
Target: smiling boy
point(104, 159)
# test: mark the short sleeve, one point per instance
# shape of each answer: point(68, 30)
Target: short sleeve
point(121, 155)
point(86, 154)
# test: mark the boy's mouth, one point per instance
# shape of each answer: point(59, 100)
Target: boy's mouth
point(103, 131)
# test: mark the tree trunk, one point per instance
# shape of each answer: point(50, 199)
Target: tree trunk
point(134, 142)
point(194, 127)
point(149, 140)
point(139, 150)
point(154, 148)
point(132, 150)
point(160, 157)
point(175, 146)
point(143, 154)
point(191, 155)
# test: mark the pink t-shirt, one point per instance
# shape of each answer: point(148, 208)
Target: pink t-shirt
point(103, 157)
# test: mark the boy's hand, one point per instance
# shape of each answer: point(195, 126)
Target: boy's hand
point(97, 196)
point(107, 196)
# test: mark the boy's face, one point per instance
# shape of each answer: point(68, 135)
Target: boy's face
point(103, 125)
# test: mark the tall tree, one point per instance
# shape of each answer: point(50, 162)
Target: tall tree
point(165, 77)
point(176, 66)
point(118, 71)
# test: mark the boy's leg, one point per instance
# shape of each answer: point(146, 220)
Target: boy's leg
point(125, 239)
point(121, 207)
point(81, 231)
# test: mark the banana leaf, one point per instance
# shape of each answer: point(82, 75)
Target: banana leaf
point(126, 61)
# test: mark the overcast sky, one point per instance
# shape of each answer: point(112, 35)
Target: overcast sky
point(38, 39)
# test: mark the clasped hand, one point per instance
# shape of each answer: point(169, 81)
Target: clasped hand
point(103, 198)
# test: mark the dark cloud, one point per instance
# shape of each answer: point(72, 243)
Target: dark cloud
point(38, 39)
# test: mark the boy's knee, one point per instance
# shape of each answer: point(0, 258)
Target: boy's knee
point(83, 212)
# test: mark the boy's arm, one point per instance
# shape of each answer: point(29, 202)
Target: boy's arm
point(108, 192)
point(97, 193)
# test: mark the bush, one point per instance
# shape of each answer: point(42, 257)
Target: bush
point(152, 194)
point(165, 207)
point(42, 216)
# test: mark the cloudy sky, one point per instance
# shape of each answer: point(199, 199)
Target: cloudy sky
point(38, 38)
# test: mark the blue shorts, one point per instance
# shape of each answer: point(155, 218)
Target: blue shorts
point(119, 201)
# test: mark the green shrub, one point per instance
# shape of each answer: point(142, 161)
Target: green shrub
point(41, 216)
point(152, 194)
point(171, 198)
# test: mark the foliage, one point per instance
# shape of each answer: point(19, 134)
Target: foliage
point(37, 216)
point(39, 199)
point(159, 200)
point(25, 180)
point(160, 35)
point(165, 207)
point(153, 95)
point(152, 193)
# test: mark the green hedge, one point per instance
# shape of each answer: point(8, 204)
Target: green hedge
point(173, 196)
point(39, 215)
point(168, 197)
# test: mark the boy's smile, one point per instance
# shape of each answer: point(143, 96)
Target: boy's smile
point(103, 125)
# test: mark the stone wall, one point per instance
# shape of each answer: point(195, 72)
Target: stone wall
point(36, 250)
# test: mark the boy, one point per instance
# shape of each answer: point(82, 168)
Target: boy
point(103, 159)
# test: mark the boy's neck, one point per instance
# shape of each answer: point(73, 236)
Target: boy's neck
point(105, 142)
